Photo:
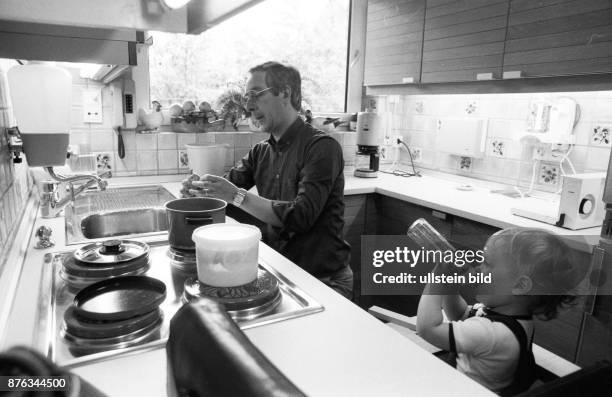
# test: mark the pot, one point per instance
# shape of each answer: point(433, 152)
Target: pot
point(187, 214)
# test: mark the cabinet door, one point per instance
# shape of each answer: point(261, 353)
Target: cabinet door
point(558, 37)
point(394, 38)
point(463, 40)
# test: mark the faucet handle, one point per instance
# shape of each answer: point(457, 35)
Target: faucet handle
point(44, 238)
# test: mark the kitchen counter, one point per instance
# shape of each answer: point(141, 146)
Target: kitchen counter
point(342, 350)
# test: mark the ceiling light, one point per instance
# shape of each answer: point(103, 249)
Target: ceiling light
point(174, 4)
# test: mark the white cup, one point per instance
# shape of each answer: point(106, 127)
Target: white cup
point(227, 253)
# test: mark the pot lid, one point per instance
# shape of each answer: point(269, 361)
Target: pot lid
point(111, 251)
point(119, 298)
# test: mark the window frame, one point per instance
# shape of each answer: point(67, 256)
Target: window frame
point(353, 76)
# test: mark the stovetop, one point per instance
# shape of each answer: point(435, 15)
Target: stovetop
point(57, 296)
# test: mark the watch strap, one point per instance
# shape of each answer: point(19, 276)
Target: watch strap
point(239, 197)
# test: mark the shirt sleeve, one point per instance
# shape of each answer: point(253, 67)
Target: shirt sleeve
point(242, 173)
point(322, 166)
point(474, 336)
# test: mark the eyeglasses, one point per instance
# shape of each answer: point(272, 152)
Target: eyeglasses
point(254, 94)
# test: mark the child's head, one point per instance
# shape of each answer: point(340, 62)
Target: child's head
point(533, 265)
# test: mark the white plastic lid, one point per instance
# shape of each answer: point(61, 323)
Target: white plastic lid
point(226, 236)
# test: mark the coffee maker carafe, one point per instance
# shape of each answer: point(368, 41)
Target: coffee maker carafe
point(369, 133)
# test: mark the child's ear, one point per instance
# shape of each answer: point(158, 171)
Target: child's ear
point(522, 286)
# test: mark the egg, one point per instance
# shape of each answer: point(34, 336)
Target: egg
point(188, 106)
point(175, 110)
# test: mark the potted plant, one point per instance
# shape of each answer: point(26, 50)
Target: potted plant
point(231, 108)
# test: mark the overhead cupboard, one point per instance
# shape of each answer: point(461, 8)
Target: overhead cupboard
point(473, 40)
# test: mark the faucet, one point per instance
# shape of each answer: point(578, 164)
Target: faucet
point(52, 203)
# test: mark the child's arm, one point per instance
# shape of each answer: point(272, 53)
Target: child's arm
point(454, 307)
point(430, 325)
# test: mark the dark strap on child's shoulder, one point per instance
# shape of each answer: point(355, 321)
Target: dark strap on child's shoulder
point(525, 373)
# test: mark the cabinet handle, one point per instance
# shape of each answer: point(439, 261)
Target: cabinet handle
point(484, 76)
point(438, 214)
point(513, 74)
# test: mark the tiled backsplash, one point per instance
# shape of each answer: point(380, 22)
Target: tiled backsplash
point(508, 154)
point(15, 181)
point(155, 153)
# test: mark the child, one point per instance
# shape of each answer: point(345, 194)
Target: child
point(531, 275)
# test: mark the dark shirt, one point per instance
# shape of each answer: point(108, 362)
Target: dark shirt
point(302, 174)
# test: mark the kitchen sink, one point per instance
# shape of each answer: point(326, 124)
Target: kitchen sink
point(117, 212)
point(120, 223)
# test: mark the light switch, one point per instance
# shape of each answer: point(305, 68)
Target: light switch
point(92, 105)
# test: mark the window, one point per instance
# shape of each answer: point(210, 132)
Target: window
point(310, 35)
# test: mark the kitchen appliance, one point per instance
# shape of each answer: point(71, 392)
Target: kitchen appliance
point(462, 136)
point(370, 127)
point(41, 95)
point(280, 300)
point(580, 205)
point(187, 214)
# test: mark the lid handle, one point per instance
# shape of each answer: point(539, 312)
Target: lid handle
point(112, 247)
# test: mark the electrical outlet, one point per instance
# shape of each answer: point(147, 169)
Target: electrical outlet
point(396, 141)
point(549, 174)
point(417, 154)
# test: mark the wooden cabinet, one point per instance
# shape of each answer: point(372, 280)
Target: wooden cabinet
point(394, 41)
point(463, 40)
point(359, 219)
point(559, 37)
point(455, 40)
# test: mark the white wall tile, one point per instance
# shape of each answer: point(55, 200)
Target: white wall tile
point(168, 160)
point(146, 160)
point(205, 138)
point(146, 141)
point(597, 158)
point(102, 140)
point(167, 140)
point(185, 139)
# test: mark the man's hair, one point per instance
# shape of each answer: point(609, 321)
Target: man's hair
point(549, 262)
point(279, 77)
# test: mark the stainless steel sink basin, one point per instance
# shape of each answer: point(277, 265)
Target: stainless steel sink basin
point(126, 212)
point(120, 223)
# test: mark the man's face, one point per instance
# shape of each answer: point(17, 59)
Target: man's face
point(265, 107)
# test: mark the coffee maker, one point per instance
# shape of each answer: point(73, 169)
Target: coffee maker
point(369, 133)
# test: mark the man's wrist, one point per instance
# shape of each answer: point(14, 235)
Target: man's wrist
point(239, 197)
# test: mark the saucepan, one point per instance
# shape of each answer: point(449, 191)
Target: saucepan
point(187, 214)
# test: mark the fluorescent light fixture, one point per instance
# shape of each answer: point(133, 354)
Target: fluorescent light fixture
point(174, 4)
point(89, 70)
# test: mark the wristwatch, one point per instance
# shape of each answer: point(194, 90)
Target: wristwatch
point(239, 197)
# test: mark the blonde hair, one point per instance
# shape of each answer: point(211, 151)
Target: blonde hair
point(548, 261)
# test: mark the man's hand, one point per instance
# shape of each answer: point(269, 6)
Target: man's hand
point(188, 185)
point(214, 186)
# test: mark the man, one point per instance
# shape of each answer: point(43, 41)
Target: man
point(298, 173)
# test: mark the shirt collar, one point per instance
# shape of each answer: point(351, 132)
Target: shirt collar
point(288, 136)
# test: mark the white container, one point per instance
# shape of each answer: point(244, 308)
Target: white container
point(42, 98)
point(370, 129)
point(207, 158)
point(227, 253)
